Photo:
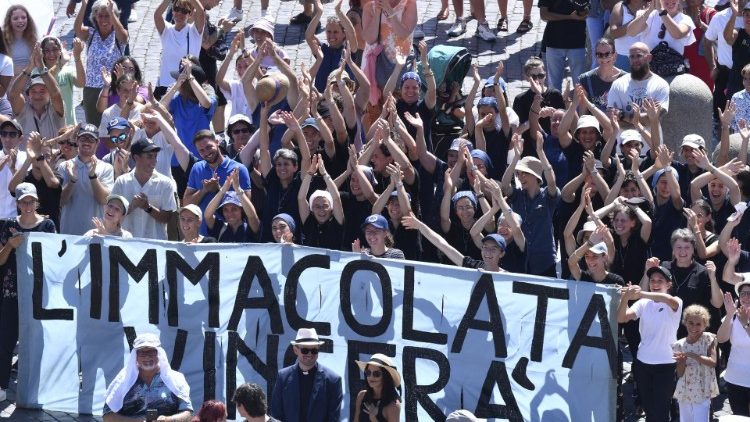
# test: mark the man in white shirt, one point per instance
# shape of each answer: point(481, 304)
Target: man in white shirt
point(152, 196)
point(10, 159)
point(719, 53)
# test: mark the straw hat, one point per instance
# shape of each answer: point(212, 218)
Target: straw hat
point(383, 361)
point(272, 88)
point(307, 337)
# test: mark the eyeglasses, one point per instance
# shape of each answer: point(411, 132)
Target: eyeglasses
point(239, 131)
point(72, 144)
point(538, 76)
point(662, 32)
point(119, 138)
point(10, 134)
point(374, 374)
point(603, 55)
point(306, 351)
point(182, 10)
point(745, 293)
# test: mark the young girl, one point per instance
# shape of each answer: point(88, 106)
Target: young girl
point(338, 30)
point(696, 359)
point(20, 35)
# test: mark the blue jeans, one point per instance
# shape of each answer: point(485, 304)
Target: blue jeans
point(555, 58)
point(595, 27)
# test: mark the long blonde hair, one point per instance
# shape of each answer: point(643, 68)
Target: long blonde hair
point(29, 34)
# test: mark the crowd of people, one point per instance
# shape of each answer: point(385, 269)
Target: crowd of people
point(351, 153)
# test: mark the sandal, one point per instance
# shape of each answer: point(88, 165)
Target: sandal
point(525, 26)
point(443, 15)
point(502, 25)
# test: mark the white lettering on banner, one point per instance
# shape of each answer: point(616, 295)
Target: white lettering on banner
point(506, 346)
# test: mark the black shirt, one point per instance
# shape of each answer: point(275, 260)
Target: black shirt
point(666, 220)
point(460, 238)
point(49, 198)
point(306, 380)
point(564, 34)
point(522, 105)
point(630, 259)
point(356, 212)
point(224, 234)
point(279, 200)
point(691, 284)
point(610, 278)
point(409, 241)
point(425, 113)
point(497, 148)
point(328, 235)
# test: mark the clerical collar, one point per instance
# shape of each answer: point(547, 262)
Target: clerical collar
point(311, 371)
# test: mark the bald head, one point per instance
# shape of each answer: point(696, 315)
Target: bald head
point(639, 47)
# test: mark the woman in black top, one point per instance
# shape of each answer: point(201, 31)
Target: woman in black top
point(396, 201)
point(326, 227)
point(595, 252)
point(233, 227)
point(381, 400)
point(11, 236)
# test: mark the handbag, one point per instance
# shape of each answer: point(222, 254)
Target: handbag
point(666, 61)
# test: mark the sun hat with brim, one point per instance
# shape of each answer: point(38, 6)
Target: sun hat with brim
point(530, 165)
point(693, 141)
point(147, 341)
point(463, 415)
point(230, 198)
point(26, 189)
point(264, 24)
point(494, 237)
point(745, 282)
point(193, 209)
point(377, 221)
point(661, 270)
point(382, 361)
point(14, 123)
point(630, 135)
point(123, 201)
point(588, 227)
point(307, 337)
point(588, 120)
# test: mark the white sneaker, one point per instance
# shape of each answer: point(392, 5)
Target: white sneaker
point(483, 32)
point(3, 395)
point(235, 15)
point(133, 16)
point(458, 28)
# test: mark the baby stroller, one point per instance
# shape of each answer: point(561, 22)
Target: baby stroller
point(450, 65)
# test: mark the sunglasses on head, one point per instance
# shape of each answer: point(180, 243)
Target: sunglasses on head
point(306, 351)
point(73, 144)
point(119, 138)
point(182, 10)
point(374, 374)
point(538, 76)
point(10, 134)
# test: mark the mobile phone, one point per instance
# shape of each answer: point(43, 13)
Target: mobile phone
point(151, 415)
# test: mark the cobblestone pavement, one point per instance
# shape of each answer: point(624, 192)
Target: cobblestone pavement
point(511, 48)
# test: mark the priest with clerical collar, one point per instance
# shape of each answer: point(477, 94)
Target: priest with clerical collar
point(307, 391)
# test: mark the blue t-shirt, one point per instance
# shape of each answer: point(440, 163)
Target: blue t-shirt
point(202, 171)
point(189, 118)
point(331, 61)
point(537, 214)
point(142, 396)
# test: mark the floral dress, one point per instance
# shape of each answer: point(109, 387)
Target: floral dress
point(8, 271)
point(698, 383)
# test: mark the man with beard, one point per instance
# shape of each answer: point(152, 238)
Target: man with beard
point(207, 176)
point(148, 383)
point(638, 85)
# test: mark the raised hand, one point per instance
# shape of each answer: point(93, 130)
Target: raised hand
point(727, 116)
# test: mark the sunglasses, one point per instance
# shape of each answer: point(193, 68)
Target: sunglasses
point(374, 374)
point(11, 134)
point(182, 10)
point(306, 351)
point(662, 32)
point(603, 55)
point(119, 138)
point(239, 131)
point(538, 76)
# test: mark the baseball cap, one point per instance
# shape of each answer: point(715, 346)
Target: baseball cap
point(146, 340)
point(599, 248)
point(456, 144)
point(25, 189)
point(193, 209)
point(13, 122)
point(497, 239)
point(143, 145)
point(629, 135)
point(310, 121)
point(588, 120)
point(377, 221)
point(693, 141)
point(661, 270)
point(88, 129)
point(230, 198)
point(125, 203)
point(35, 81)
point(118, 123)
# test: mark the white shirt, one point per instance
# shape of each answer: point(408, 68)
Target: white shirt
point(738, 367)
point(658, 327)
point(715, 33)
point(174, 46)
point(622, 44)
point(161, 192)
point(625, 90)
point(8, 207)
point(75, 215)
point(653, 26)
point(236, 96)
point(6, 69)
point(114, 111)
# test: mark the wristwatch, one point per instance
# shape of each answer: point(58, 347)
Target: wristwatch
point(41, 157)
point(663, 13)
point(150, 209)
point(44, 71)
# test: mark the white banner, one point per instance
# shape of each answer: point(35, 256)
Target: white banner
point(506, 346)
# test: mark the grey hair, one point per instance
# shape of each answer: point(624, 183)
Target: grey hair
point(287, 154)
point(502, 218)
point(682, 234)
point(99, 5)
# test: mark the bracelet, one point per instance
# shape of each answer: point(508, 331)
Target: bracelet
point(480, 195)
point(400, 184)
point(92, 177)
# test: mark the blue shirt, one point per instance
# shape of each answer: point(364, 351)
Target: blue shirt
point(537, 227)
point(142, 396)
point(202, 171)
point(189, 118)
